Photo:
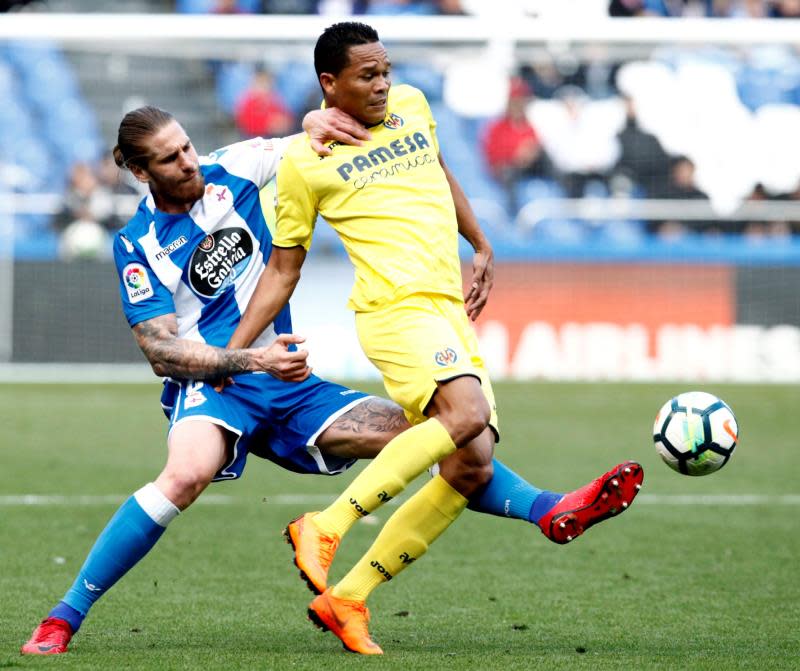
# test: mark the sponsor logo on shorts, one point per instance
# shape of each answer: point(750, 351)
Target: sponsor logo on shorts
point(137, 282)
point(446, 357)
point(219, 259)
point(379, 568)
point(171, 247)
point(393, 121)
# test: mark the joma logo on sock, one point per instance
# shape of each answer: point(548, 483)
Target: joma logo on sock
point(407, 558)
point(379, 568)
point(358, 508)
point(383, 496)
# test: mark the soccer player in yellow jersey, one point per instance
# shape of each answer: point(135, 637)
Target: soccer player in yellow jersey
point(399, 212)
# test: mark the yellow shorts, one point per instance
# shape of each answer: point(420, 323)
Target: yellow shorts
point(419, 341)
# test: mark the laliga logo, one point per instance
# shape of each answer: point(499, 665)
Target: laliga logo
point(393, 122)
point(133, 278)
point(446, 357)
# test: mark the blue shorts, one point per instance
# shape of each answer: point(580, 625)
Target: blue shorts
point(273, 419)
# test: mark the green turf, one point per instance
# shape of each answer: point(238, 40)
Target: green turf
point(663, 587)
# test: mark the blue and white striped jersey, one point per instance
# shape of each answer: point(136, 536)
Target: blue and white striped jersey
point(204, 265)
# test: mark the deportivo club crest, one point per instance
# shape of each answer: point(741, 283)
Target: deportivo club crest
point(393, 121)
point(208, 243)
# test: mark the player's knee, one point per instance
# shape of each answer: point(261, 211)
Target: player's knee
point(471, 418)
point(183, 488)
point(462, 408)
point(467, 476)
point(480, 474)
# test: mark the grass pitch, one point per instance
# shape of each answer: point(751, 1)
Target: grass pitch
point(701, 573)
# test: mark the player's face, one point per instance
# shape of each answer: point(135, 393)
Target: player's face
point(173, 170)
point(362, 87)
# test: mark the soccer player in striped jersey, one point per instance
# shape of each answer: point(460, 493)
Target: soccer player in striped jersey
point(188, 261)
point(399, 211)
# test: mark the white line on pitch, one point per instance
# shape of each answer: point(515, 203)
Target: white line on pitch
point(314, 499)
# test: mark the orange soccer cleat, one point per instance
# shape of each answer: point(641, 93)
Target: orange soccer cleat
point(313, 551)
point(608, 495)
point(49, 638)
point(345, 619)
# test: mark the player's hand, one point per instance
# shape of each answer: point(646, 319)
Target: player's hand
point(481, 283)
point(222, 382)
point(280, 362)
point(330, 125)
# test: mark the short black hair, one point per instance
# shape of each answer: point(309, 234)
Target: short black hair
point(330, 53)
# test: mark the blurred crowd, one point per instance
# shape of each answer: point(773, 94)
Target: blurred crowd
point(567, 128)
point(568, 144)
point(93, 210)
point(620, 8)
point(567, 132)
point(748, 9)
point(334, 7)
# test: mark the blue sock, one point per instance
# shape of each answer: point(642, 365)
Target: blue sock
point(128, 536)
point(542, 504)
point(66, 612)
point(508, 495)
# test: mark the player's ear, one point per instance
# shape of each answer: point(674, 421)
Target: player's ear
point(139, 173)
point(328, 83)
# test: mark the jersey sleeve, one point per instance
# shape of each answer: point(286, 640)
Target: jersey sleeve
point(143, 295)
point(256, 159)
point(297, 207)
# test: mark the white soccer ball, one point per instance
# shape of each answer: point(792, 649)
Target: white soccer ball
point(695, 433)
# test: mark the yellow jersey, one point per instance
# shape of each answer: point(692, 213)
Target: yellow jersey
point(389, 201)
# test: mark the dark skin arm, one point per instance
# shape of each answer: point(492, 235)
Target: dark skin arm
point(483, 259)
point(282, 273)
point(273, 291)
point(170, 355)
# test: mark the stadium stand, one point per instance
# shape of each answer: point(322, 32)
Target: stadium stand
point(730, 112)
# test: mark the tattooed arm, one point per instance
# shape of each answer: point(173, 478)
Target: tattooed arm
point(177, 357)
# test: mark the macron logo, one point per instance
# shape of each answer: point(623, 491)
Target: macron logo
point(171, 247)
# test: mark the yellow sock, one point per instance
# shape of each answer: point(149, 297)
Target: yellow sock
point(404, 538)
point(402, 460)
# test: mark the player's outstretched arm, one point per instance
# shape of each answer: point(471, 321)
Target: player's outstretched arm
point(172, 356)
point(483, 259)
point(332, 124)
point(273, 291)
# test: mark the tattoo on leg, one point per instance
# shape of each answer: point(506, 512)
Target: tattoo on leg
point(375, 414)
